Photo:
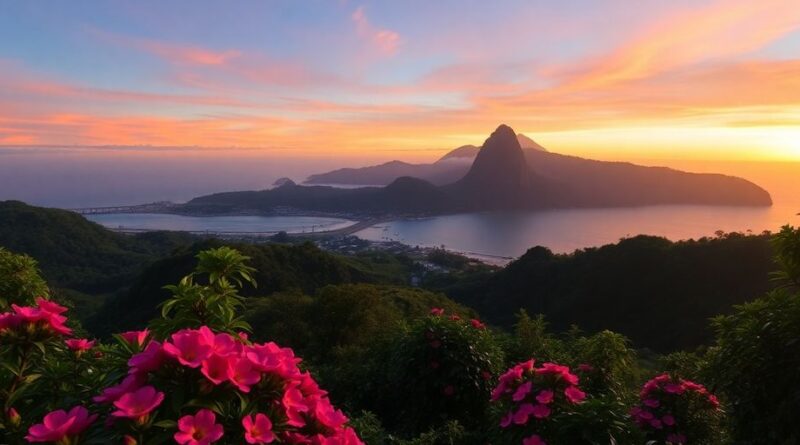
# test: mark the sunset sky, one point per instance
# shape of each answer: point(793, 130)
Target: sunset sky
point(692, 79)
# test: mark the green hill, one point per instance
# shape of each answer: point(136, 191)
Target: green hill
point(77, 254)
point(657, 292)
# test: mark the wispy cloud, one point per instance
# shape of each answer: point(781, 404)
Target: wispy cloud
point(385, 41)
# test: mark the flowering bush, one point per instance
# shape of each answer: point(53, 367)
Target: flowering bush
point(201, 387)
point(533, 398)
point(441, 368)
point(198, 385)
point(221, 389)
point(677, 411)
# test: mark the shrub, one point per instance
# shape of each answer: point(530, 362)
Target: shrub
point(755, 361)
point(20, 281)
point(678, 412)
point(197, 386)
point(441, 368)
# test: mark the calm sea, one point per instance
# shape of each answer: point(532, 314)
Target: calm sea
point(511, 234)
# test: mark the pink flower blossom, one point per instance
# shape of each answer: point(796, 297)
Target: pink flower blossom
point(136, 338)
point(533, 440)
point(79, 344)
point(505, 422)
point(477, 324)
point(61, 426)
point(523, 413)
point(148, 360)
point(326, 414)
point(137, 405)
point(200, 429)
point(437, 311)
point(258, 430)
point(522, 391)
point(674, 388)
point(545, 396)
point(574, 394)
point(111, 394)
point(541, 411)
point(215, 368)
point(652, 403)
point(668, 420)
point(189, 347)
point(242, 373)
point(294, 404)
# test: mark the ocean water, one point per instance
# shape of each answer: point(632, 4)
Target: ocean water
point(510, 234)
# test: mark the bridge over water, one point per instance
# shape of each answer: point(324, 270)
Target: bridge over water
point(311, 233)
point(153, 207)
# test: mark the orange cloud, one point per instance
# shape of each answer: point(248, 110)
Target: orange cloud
point(722, 29)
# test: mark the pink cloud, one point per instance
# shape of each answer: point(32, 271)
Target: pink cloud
point(384, 41)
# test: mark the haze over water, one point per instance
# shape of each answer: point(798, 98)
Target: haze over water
point(74, 181)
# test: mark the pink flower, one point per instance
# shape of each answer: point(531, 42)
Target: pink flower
point(60, 426)
point(138, 404)
point(455, 317)
point(326, 414)
point(271, 358)
point(215, 368)
point(523, 413)
point(574, 394)
point(668, 420)
point(135, 338)
point(541, 411)
point(47, 316)
point(559, 371)
point(294, 404)
point(652, 403)
point(545, 396)
point(258, 430)
point(49, 306)
point(477, 324)
point(437, 311)
point(242, 373)
point(79, 344)
point(505, 422)
point(221, 344)
point(189, 347)
point(655, 423)
point(522, 391)
point(200, 429)
point(533, 440)
point(674, 388)
point(712, 399)
point(111, 394)
point(129, 440)
point(148, 360)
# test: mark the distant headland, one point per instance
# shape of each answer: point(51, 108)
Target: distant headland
point(508, 172)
